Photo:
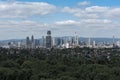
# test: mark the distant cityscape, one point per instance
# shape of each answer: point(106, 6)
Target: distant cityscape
point(60, 42)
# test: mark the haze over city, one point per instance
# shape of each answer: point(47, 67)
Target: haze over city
point(88, 18)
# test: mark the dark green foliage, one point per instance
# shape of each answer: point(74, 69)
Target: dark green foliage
point(60, 64)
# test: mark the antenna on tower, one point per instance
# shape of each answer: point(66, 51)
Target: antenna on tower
point(113, 41)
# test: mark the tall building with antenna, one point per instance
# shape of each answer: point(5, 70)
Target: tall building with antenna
point(113, 41)
point(48, 40)
point(32, 42)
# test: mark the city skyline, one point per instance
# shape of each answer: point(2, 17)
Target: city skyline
point(88, 18)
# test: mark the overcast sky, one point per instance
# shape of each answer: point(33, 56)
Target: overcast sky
point(88, 18)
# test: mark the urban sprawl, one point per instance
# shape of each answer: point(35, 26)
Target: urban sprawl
point(59, 42)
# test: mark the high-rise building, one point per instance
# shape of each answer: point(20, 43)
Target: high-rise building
point(48, 40)
point(53, 42)
point(18, 44)
point(32, 42)
point(76, 39)
point(32, 38)
point(43, 42)
point(58, 41)
point(36, 43)
point(88, 42)
point(118, 43)
point(27, 42)
point(94, 44)
point(114, 41)
point(61, 43)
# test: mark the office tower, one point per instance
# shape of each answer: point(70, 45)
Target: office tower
point(69, 39)
point(94, 44)
point(72, 40)
point(48, 39)
point(27, 42)
point(118, 43)
point(58, 41)
point(113, 41)
point(23, 44)
point(18, 44)
point(62, 42)
point(36, 43)
point(76, 39)
point(43, 42)
point(53, 42)
point(32, 39)
point(65, 40)
point(88, 42)
point(32, 42)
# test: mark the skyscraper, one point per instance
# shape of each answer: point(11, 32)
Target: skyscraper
point(113, 41)
point(88, 42)
point(48, 40)
point(32, 39)
point(53, 41)
point(27, 42)
point(36, 43)
point(76, 39)
point(32, 42)
point(43, 41)
point(94, 44)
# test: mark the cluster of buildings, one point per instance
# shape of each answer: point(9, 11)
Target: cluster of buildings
point(58, 42)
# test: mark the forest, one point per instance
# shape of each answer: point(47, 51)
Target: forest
point(60, 64)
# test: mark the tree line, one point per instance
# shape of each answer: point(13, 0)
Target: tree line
point(60, 64)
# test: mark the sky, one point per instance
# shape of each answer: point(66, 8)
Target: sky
point(88, 18)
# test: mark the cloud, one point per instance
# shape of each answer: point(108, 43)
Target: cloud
point(88, 27)
point(84, 27)
point(84, 3)
point(86, 21)
point(79, 12)
point(66, 23)
point(93, 12)
point(10, 29)
point(113, 13)
point(96, 21)
point(25, 9)
point(96, 9)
